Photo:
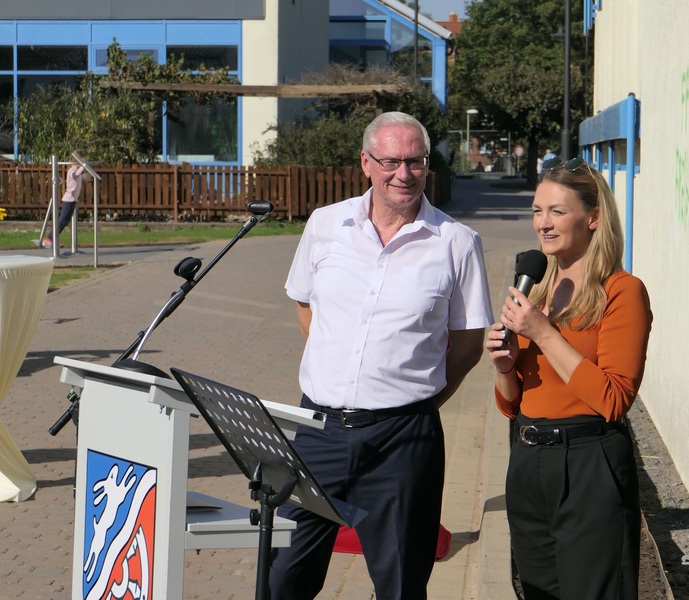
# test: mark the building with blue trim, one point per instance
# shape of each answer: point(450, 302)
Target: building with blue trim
point(260, 42)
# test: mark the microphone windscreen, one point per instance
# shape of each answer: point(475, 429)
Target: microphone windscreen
point(260, 207)
point(533, 264)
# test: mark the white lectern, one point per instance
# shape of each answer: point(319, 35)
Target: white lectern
point(133, 515)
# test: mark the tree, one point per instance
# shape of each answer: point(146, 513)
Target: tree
point(329, 131)
point(510, 63)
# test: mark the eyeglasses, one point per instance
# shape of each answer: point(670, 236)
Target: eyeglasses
point(388, 165)
point(557, 161)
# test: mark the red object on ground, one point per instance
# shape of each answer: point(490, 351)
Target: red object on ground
point(348, 542)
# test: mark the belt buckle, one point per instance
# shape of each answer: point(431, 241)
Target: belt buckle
point(343, 416)
point(522, 430)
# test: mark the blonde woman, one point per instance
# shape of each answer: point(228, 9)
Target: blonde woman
point(568, 379)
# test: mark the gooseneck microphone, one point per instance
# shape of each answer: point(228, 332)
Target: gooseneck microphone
point(530, 270)
point(190, 270)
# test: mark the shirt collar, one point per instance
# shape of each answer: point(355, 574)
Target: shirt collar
point(361, 207)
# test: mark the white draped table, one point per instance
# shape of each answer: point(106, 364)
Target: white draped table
point(24, 283)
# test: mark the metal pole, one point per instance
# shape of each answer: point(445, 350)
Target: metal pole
point(468, 141)
point(75, 225)
point(95, 222)
point(416, 40)
point(566, 134)
point(471, 111)
point(56, 195)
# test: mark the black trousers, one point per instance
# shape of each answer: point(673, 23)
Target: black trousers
point(574, 516)
point(394, 469)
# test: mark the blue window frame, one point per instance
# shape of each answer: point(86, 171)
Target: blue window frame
point(36, 53)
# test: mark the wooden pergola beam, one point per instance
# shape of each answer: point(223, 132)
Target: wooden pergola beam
point(272, 91)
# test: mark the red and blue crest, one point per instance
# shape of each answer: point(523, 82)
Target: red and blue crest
point(119, 529)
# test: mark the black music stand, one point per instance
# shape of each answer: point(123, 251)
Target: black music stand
point(275, 471)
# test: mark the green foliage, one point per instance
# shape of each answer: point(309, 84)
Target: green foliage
point(510, 63)
point(330, 131)
point(316, 141)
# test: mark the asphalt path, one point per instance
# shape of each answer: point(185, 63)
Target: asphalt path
point(238, 326)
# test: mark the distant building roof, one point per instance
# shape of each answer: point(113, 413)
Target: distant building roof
point(425, 22)
point(453, 25)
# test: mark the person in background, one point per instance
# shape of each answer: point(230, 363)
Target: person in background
point(76, 175)
point(568, 378)
point(392, 299)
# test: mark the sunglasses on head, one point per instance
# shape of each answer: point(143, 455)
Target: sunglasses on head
point(557, 161)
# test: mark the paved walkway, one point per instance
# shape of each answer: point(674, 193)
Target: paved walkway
point(239, 327)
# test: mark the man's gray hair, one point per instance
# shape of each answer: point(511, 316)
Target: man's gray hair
point(393, 118)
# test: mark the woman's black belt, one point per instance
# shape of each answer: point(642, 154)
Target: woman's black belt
point(350, 417)
point(533, 435)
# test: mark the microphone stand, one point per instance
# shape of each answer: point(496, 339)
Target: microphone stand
point(187, 269)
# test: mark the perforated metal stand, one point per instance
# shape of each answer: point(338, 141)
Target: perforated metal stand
point(275, 471)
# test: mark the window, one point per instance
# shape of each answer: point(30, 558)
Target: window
point(6, 58)
point(357, 30)
point(205, 133)
point(133, 54)
point(6, 129)
point(27, 84)
point(213, 57)
point(52, 58)
point(403, 52)
point(362, 56)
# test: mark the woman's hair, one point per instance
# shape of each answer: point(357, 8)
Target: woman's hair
point(393, 118)
point(80, 153)
point(604, 253)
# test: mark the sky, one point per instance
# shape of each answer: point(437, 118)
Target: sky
point(440, 9)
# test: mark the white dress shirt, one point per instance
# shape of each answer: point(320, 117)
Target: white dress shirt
point(380, 314)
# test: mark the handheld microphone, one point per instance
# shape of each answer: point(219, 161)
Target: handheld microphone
point(530, 270)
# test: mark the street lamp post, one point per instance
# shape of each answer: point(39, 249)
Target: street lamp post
point(471, 111)
point(416, 40)
point(566, 133)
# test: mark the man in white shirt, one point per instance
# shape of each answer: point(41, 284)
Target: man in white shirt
point(392, 299)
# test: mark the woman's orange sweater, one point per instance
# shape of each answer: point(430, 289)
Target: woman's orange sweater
point(606, 382)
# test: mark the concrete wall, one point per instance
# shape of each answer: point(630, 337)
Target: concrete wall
point(297, 34)
point(641, 48)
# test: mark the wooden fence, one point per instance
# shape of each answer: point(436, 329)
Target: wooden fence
point(182, 192)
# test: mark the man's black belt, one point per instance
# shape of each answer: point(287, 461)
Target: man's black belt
point(350, 417)
point(533, 435)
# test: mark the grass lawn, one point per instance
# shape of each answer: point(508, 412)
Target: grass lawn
point(141, 234)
